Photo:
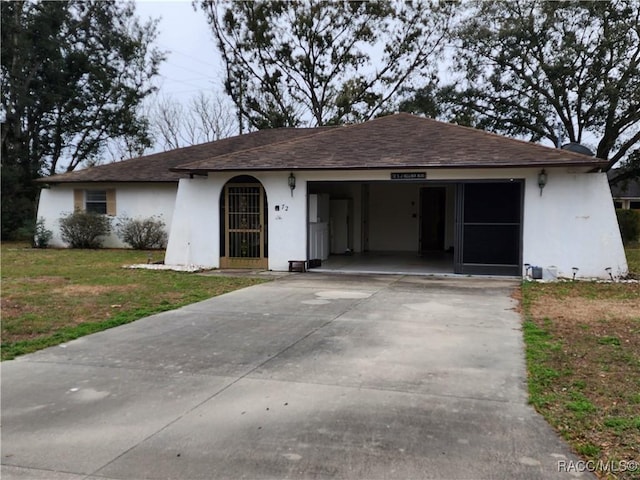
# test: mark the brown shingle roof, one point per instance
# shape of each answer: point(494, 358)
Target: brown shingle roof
point(156, 167)
point(394, 141)
point(626, 188)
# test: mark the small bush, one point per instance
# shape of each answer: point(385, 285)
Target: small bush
point(84, 229)
point(142, 234)
point(629, 221)
point(24, 233)
point(42, 235)
point(34, 232)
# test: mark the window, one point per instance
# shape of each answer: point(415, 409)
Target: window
point(102, 202)
point(96, 201)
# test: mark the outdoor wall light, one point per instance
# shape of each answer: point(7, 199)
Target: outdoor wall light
point(292, 183)
point(542, 180)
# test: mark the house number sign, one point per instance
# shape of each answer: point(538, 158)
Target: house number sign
point(409, 176)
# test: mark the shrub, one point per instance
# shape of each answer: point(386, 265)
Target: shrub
point(24, 233)
point(142, 234)
point(42, 235)
point(34, 232)
point(84, 229)
point(629, 221)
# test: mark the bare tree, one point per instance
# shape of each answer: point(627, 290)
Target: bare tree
point(204, 119)
point(167, 120)
point(209, 118)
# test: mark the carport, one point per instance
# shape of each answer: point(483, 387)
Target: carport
point(409, 225)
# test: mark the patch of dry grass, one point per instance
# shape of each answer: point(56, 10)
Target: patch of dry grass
point(583, 355)
point(51, 296)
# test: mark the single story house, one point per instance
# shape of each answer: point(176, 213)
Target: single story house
point(473, 201)
point(626, 194)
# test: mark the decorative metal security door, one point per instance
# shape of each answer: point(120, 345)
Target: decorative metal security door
point(244, 242)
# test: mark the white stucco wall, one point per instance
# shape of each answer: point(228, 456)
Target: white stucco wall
point(572, 224)
point(288, 227)
point(194, 238)
point(133, 200)
point(53, 203)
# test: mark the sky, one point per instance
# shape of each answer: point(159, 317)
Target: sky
point(193, 64)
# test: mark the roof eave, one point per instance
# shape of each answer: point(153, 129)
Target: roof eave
point(593, 165)
point(53, 181)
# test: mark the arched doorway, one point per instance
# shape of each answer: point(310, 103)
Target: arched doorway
point(243, 224)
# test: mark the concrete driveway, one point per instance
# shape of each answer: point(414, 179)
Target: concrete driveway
point(309, 376)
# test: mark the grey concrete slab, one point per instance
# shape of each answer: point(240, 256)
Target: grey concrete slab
point(453, 361)
point(314, 280)
point(466, 307)
point(425, 341)
point(19, 473)
point(409, 263)
point(457, 282)
point(267, 429)
point(311, 375)
point(282, 297)
point(216, 344)
point(75, 418)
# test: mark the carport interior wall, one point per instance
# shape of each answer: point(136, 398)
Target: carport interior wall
point(479, 221)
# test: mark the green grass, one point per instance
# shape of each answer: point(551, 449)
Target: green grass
point(583, 359)
point(52, 296)
point(619, 424)
point(580, 404)
point(609, 341)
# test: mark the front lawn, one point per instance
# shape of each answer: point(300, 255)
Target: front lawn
point(583, 357)
point(52, 296)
